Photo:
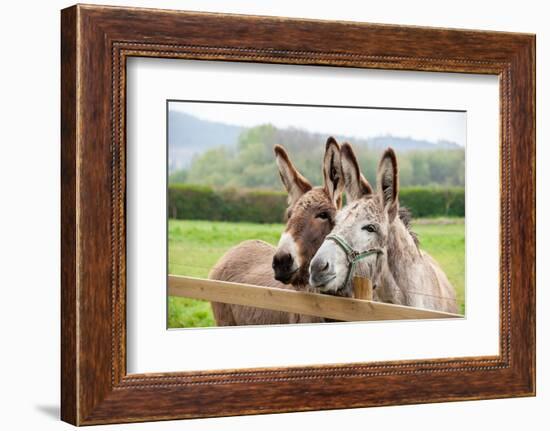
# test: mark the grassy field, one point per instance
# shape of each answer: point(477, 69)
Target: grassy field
point(195, 246)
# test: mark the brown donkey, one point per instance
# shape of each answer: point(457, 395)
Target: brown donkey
point(310, 217)
point(373, 233)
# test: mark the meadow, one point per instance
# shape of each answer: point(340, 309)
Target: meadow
point(195, 246)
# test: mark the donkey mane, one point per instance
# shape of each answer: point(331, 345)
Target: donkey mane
point(405, 215)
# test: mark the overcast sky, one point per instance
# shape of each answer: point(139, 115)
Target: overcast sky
point(361, 123)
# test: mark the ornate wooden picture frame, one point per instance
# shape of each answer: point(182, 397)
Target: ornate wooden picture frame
point(96, 42)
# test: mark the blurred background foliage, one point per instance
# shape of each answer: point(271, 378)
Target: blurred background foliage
point(250, 161)
point(240, 181)
point(197, 202)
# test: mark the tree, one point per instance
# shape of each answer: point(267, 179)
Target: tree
point(251, 163)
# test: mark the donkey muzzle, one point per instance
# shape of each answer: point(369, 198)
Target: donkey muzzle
point(283, 267)
point(321, 272)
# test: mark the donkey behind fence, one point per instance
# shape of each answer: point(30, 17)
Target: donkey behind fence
point(372, 234)
point(310, 217)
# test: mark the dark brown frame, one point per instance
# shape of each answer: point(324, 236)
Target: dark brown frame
point(95, 43)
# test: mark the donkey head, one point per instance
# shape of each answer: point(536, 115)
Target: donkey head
point(310, 214)
point(362, 227)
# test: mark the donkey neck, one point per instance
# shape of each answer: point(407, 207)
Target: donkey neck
point(400, 269)
point(401, 248)
point(409, 273)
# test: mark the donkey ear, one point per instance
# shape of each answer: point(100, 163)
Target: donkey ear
point(296, 185)
point(388, 183)
point(356, 185)
point(332, 172)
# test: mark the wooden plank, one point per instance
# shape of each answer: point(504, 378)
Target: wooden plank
point(313, 304)
point(362, 288)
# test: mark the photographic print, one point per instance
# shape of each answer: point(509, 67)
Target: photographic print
point(342, 201)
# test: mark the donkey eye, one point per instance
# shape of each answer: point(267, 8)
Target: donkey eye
point(369, 228)
point(323, 215)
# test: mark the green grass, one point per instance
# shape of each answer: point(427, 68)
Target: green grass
point(445, 243)
point(193, 249)
point(195, 246)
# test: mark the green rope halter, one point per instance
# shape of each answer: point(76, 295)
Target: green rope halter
point(352, 255)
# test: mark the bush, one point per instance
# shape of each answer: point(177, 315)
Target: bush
point(433, 201)
point(194, 202)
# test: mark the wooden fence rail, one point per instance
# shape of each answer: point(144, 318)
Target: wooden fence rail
point(312, 304)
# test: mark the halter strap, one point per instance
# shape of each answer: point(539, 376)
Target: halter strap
point(352, 255)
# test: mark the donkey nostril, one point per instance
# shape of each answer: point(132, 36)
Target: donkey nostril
point(286, 260)
point(320, 266)
point(283, 261)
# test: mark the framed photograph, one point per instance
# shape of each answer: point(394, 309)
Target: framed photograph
point(317, 215)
